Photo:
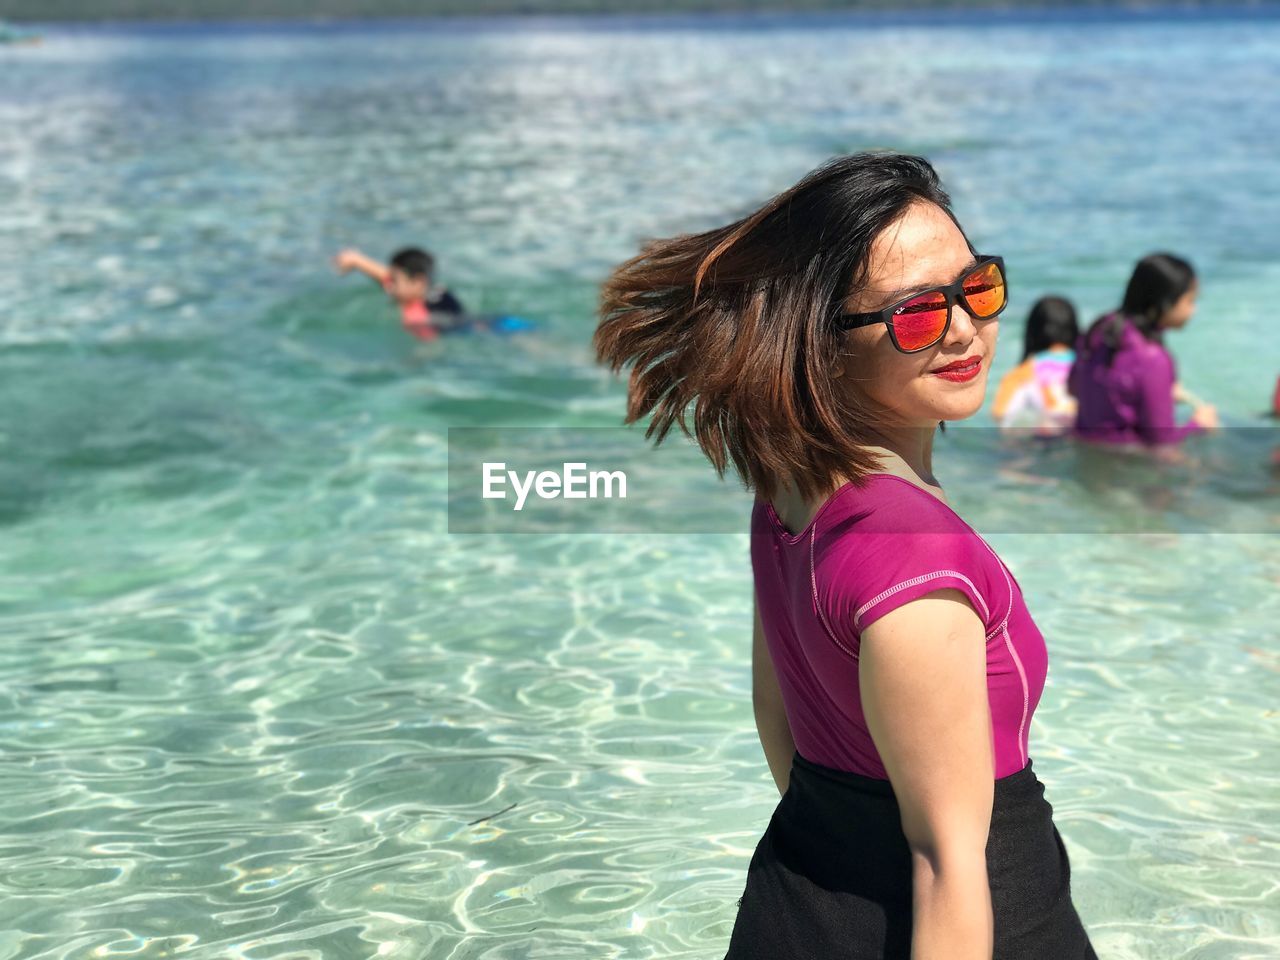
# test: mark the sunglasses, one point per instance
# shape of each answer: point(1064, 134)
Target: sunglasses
point(922, 319)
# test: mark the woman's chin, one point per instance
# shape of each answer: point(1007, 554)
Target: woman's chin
point(960, 402)
point(960, 407)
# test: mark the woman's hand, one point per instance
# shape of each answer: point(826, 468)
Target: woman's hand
point(1206, 415)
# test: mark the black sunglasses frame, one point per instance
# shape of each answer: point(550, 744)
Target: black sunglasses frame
point(952, 293)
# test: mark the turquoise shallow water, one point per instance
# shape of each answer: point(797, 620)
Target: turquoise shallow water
point(255, 700)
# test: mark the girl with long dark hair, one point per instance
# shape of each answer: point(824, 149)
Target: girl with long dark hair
point(1124, 378)
point(1034, 393)
point(816, 344)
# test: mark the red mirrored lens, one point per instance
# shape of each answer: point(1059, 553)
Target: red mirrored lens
point(920, 321)
point(984, 290)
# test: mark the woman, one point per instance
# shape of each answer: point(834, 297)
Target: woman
point(820, 342)
point(1034, 393)
point(1124, 378)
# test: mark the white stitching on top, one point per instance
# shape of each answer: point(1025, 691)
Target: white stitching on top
point(1017, 661)
point(921, 579)
point(822, 617)
point(1026, 696)
point(1007, 582)
point(986, 611)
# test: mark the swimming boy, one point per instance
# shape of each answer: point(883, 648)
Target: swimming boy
point(425, 309)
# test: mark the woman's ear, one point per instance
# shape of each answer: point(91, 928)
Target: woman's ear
point(837, 365)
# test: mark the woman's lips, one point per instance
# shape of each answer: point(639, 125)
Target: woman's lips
point(959, 374)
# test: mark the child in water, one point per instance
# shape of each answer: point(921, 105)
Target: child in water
point(425, 309)
point(1124, 378)
point(1034, 393)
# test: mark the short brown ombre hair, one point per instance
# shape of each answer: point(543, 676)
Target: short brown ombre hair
point(740, 323)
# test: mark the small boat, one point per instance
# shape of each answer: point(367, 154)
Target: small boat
point(9, 34)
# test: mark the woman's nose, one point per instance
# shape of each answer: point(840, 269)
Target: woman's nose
point(963, 327)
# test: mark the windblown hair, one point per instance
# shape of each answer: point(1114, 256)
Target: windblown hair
point(739, 323)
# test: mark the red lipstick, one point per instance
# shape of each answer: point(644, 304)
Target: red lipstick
point(960, 371)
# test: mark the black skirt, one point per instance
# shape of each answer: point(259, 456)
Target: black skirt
point(831, 877)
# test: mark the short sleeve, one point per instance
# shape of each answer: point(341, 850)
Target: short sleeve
point(446, 302)
point(868, 575)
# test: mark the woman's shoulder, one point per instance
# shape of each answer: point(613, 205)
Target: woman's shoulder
point(892, 523)
point(892, 541)
point(886, 503)
point(1141, 354)
point(862, 513)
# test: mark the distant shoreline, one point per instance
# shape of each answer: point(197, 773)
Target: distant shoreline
point(29, 13)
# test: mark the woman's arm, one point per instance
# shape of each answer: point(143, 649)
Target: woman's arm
point(922, 673)
point(1182, 395)
point(1157, 386)
point(766, 700)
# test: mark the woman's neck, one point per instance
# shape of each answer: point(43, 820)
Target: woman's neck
point(907, 453)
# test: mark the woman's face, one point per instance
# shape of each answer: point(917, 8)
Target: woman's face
point(1182, 309)
point(923, 249)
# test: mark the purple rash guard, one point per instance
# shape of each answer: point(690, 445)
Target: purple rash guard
point(868, 550)
point(1129, 400)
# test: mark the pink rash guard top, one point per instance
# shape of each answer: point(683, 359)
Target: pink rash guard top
point(868, 550)
point(1125, 397)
